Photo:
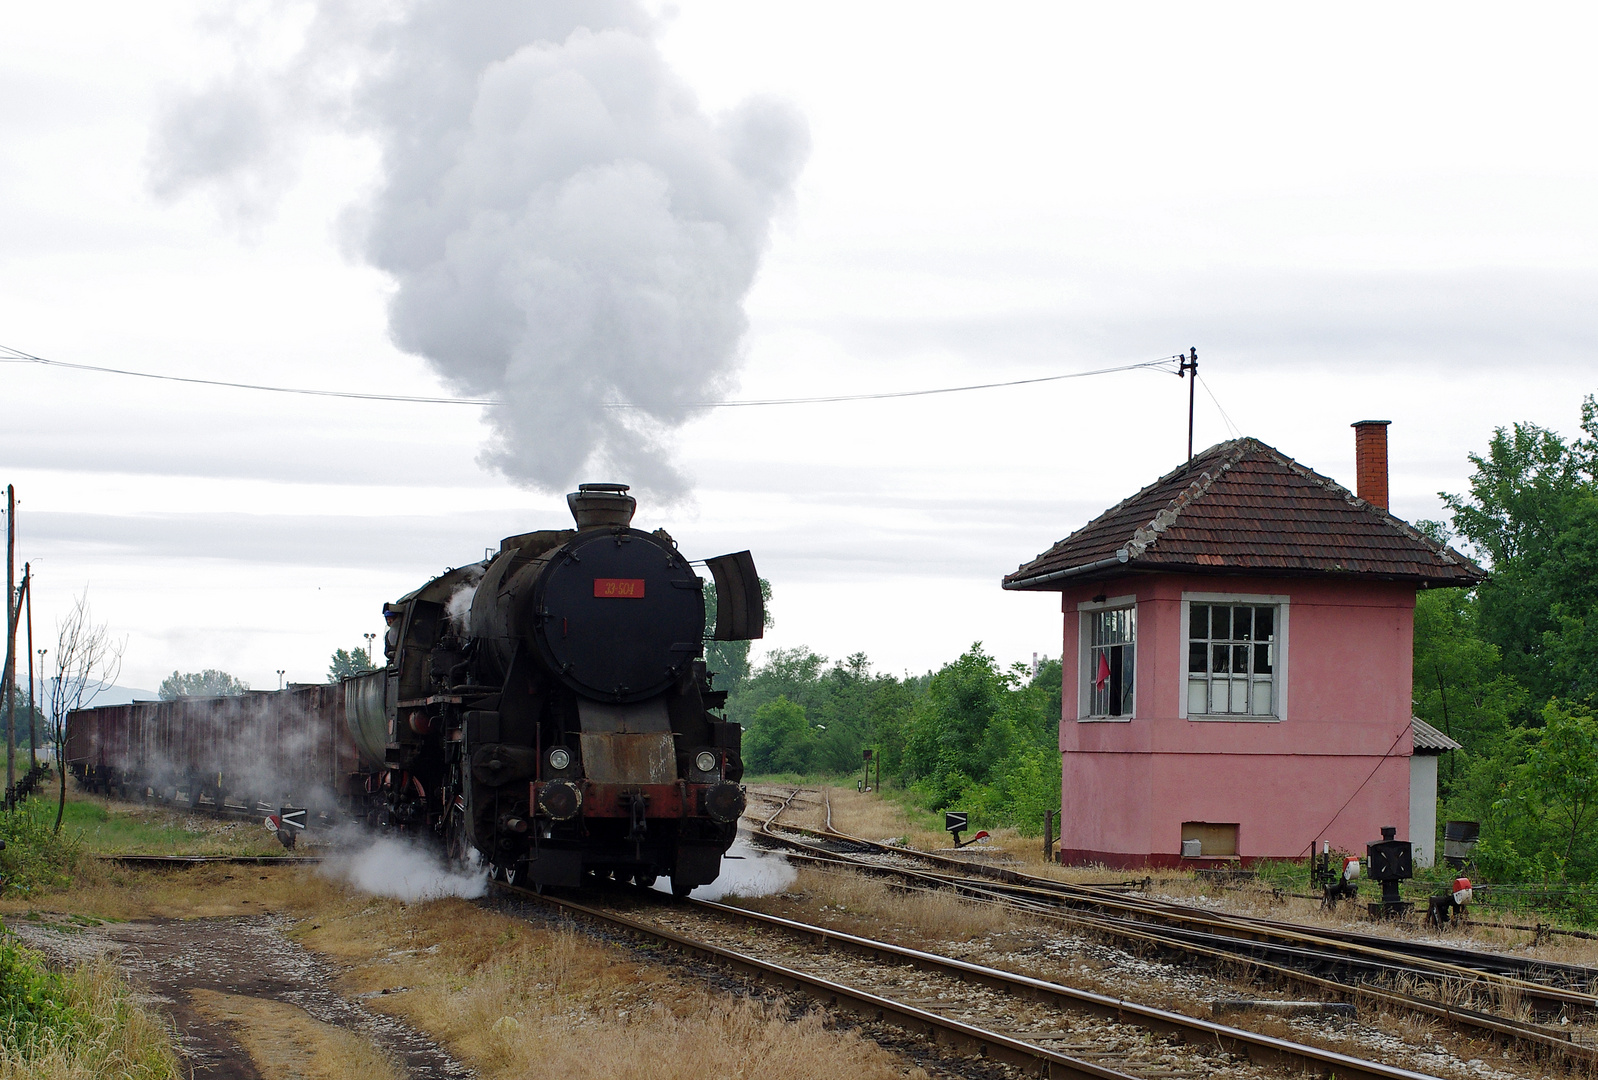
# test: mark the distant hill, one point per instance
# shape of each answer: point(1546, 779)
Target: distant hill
point(121, 695)
point(112, 695)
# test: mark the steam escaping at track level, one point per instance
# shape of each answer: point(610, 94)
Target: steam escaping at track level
point(567, 229)
point(400, 869)
point(745, 871)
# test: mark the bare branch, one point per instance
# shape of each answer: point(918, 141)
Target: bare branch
point(87, 663)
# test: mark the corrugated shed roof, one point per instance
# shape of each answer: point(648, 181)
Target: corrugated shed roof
point(1428, 740)
point(1244, 507)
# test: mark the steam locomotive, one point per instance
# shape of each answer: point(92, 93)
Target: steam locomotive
point(547, 710)
point(549, 707)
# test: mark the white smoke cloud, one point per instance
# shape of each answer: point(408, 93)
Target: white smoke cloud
point(566, 227)
point(386, 866)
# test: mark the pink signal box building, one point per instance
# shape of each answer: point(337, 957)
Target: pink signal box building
point(1237, 662)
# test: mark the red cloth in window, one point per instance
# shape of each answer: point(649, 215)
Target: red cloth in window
point(1104, 672)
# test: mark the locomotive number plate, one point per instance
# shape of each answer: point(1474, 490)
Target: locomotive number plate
point(619, 588)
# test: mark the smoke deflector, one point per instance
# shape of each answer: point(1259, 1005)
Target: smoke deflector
point(740, 609)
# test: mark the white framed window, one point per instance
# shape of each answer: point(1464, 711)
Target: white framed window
point(1109, 660)
point(1235, 662)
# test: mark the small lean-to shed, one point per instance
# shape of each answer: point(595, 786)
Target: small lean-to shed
point(1430, 744)
point(1237, 661)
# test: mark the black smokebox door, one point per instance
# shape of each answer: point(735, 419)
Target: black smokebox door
point(620, 616)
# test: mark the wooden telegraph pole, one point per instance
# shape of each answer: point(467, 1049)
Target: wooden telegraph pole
point(8, 685)
point(33, 715)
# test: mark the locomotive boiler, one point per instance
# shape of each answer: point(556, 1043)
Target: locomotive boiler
point(549, 709)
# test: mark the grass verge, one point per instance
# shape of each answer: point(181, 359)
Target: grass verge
point(82, 1025)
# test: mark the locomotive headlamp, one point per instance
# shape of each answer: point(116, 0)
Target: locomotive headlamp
point(559, 758)
point(705, 761)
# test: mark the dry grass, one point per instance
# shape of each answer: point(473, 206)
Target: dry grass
point(509, 998)
point(283, 1041)
point(108, 891)
point(856, 903)
point(872, 817)
point(123, 1039)
point(513, 999)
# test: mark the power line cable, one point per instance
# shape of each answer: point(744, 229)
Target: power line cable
point(19, 357)
point(1230, 427)
point(1152, 364)
point(1379, 763)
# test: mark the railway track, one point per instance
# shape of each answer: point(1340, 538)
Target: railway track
point(1347, 965)
point(168, 862)
point(1044, 1028)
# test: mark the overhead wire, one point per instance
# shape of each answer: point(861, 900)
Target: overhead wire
point(1232, 428)
point(18, 356)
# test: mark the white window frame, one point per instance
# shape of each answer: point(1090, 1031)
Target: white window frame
point(1280, 666)
point(1084, 641)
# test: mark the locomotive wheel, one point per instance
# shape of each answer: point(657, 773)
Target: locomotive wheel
point(457, 844)
point(680, 889)
point(644, 880)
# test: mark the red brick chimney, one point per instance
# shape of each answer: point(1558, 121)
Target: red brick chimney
point(1370, 461)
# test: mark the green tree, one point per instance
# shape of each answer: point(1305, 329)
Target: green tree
point(949, 725)
point(1529, 514)
point(1459, 685)
point(780, 739)
point(207, 683)
point(1562, 772)
point(344, 664)
point(728, 661)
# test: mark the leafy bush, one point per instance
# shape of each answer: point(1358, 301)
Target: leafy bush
point(36, 856)
point(34, 1013)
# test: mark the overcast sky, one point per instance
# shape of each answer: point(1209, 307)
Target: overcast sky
point(1367, 212)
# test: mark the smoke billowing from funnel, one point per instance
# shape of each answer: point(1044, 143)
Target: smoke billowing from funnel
point(566, 228)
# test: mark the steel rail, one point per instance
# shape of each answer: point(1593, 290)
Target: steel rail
point(1249, 1044)
point(941, 1030)
point(1391, 954)
point(169, 861)
point(1356, 951)
point(1534, 1036)
point(1261, 1049)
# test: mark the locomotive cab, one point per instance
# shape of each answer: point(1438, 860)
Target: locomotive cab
point(550, 709)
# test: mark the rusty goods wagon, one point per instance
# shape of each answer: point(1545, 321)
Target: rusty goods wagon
point(259, 749)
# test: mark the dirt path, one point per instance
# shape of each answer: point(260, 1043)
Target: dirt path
point(247, 1003)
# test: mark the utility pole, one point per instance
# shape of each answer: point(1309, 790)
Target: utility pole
point(280, 677)
point(1189, 364)
point(11, 696)
point(33, 716)
point(369, 639)
point(7, 684)
point(43, 698)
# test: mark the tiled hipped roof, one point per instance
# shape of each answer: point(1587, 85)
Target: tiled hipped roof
point(1244, 508)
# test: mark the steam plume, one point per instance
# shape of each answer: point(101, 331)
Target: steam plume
point(565, 226)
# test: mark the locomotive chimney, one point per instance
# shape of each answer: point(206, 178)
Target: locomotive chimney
point(1370, 461)
point(602, 506)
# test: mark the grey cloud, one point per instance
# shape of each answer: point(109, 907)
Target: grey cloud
point(1353, 321)
point(565, 226)
point(425, 543)
point(228, 137)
